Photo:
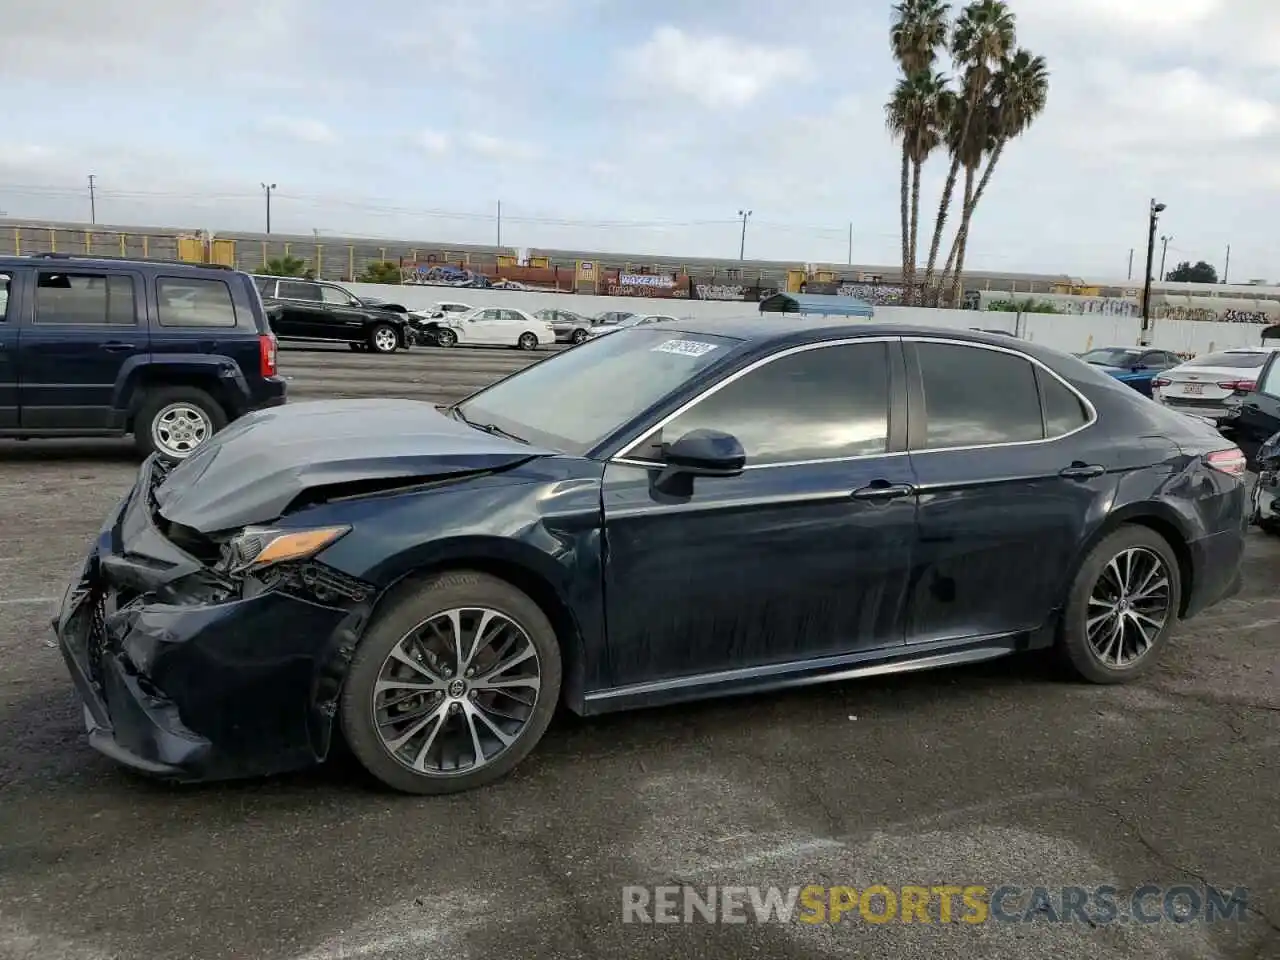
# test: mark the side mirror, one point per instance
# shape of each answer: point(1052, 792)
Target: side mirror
point(706, 453)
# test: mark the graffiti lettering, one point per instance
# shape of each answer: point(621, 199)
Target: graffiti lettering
point(879, 294)
point(708, 291)
point(1107, 307)
point(646, 280)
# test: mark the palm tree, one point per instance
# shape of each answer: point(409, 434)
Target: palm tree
point(978, 141)
point(1019, 93)
point(918, 32)
point(984, 34)
point(917, 112)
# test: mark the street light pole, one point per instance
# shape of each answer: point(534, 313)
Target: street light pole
point(267, 188)
point(1152, 217)
point(742, 247)
point(1164, 251)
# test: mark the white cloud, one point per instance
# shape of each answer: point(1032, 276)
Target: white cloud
point(499, 148)
point(716, 71)
point(433, 142)
point(300, 128)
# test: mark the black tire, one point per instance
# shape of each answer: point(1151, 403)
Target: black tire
point(157, 400)
point(411, 605)
point(1077, 653)
point(446, 337)
point(579, 336)
point(380, 342)
point(527, 341)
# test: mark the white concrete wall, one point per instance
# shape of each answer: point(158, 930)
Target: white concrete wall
point(1070, 333)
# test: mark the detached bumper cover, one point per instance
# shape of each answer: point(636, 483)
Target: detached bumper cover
point(179, 683)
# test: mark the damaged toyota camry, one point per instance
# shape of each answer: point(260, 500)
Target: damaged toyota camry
point(668, 513)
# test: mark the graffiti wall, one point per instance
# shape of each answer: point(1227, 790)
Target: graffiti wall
point(648, 285)
point(732, 291)
point(1215, 310)
point(877, 294)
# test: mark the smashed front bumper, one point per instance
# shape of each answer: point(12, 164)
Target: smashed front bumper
point(188, 677)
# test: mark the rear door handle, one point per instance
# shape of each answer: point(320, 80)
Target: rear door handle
point(117, 346)
point(880, 490)
point(1082, 471)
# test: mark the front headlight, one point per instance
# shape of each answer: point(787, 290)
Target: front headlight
point(257, 547)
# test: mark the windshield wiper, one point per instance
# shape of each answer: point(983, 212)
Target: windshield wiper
point(490, 428)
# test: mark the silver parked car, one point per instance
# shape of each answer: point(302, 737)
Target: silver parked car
point(1212, 383)
point(569, 327)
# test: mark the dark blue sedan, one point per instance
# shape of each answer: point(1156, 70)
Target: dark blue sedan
point(674, 511)
point(1134, 366)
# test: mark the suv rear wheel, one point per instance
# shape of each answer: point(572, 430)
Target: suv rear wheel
point(174, 421)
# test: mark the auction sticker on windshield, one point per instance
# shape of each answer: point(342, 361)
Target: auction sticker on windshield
point(687, 348)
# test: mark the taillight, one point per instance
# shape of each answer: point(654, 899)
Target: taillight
point(1231, 461)
point(267, 354)
point(1240, 386)
point(1159, 382)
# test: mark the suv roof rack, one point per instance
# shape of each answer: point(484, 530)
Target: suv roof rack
point(88, 256)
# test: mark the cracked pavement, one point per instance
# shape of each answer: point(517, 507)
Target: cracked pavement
point(997, 774)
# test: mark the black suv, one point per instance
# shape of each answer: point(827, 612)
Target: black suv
point(316, 311)
point(101, 347)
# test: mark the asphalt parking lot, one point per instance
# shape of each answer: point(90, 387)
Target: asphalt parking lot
point(989, 776)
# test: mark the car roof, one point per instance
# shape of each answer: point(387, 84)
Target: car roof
point(70, 262)
point(784, 330)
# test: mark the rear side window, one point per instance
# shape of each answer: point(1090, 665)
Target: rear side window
point(293, 290)
point(266, 286)
point(976, 396)
point(85, 299)
point(194, 303)
point(4, 297)
point(1063, 410)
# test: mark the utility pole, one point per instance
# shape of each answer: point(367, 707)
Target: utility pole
point(851, 244)
point(1164, 249)
point(742, 247)
point(93, 204)
point(267, 188)
point(1227, 269)
point(499, 223)
point(1130, 276)
point(1156, 210)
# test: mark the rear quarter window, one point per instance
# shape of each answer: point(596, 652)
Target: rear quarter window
point(190, 302)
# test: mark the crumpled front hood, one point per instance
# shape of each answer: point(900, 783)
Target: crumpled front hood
point(253, 470)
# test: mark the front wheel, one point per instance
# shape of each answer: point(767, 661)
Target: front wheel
point(579, 336)
point(527, 341)
point(446, 337)
point(383, 339)
point(1122, 607)
point(452, 686)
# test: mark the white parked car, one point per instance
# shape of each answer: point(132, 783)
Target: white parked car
point(447, 308)
point(1212, 383)
point(494, 327)
point(635, 320)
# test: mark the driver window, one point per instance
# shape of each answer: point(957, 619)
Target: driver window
point(826, 403)
point(1270, 383)
point(336, 297)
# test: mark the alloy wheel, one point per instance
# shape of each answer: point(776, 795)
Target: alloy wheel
point(1128, 607)
point(446, 338)
point(179, 428)
point(384, 340)
point(528, 341)
point(456, 691)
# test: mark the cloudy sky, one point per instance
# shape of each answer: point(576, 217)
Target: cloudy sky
point(612, 125)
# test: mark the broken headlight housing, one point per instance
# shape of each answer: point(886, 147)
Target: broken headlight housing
point(257, 548)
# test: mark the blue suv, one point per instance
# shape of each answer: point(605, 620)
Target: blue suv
point(167, 351)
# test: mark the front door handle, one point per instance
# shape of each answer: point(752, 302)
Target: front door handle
point(117, 346)
point(1082, 471)
point(882, 490)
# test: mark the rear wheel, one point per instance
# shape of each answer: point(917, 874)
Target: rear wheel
point(174, 421)
point(578, 335)
point(452, 686)
point(1122, 607)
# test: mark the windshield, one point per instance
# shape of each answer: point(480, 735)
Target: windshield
point(574, 400)
point(1232, 360)
point(1111, 357)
